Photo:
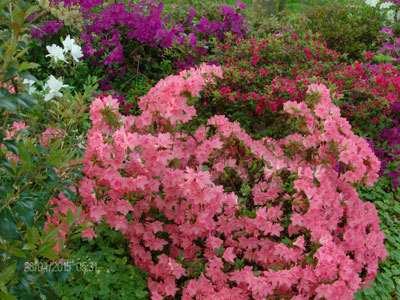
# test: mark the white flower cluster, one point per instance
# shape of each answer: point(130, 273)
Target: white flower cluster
point(374, 3)
point(383, 5)
point(54, 85)
point(28, 84)
point(58, 53)
point(51, 88)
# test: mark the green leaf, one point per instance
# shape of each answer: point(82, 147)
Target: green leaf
point(18, 252)
point(76, 236)
point(27, 75)
point(57, 158)
point(61, 217)
point(29, 246)
point(25, 209)
point(8, 226)
point(11, 145)
point(32, 236)
point(31, 10)
point(24, 154)
point(70, 218)
point(8, 103)
point(7, 297)
point(369, 291)
point(50, 235)
point(49, 253)
point(3, 3)
point(18, 15)
point(27, 101)
point(54, 146)
point(32, 147)
point(7, 273)
point(137, 148)
point(27, 65)
point(10, 73)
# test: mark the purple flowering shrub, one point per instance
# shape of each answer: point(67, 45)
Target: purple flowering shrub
point(387, 148)
point(204, 24)
point(50, 27)
point(131, 40)
point(390, 44)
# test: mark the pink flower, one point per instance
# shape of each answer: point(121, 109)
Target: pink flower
point(229, 255)
point(17, 126)
point(48, 135)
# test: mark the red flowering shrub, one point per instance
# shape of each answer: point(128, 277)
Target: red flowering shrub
point(261, 74)
point(370, 92)
point(373, 109)
point(218, 215)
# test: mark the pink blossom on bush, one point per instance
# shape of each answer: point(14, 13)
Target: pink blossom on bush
point(215, 214)
point(16, 126)
point(48, 135)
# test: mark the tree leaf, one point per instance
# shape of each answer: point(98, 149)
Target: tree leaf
point(7, 273)
point(10, 73)
point(25, 210)
point(8, 226)
point(8, 103)
point(27, 65)
point(57, 158)
point(24, 154)
point(18, 252)
point(27, 101)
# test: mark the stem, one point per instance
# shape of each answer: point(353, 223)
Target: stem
point(5, 122)
point(15, 85)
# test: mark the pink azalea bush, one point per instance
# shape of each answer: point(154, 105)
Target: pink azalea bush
point(215, 214)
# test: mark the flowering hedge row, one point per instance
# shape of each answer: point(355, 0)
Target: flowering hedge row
point(260, 75)
point(120, 36)
point(216, 214)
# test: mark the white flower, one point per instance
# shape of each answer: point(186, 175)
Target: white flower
point(68, 43)
point(372, 2)
point(55, 52)
point(54, 85)
point(28, 85)
point(386, 5)
point(390, 15)
point(76, 52)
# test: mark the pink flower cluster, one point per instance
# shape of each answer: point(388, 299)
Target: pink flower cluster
point(180, 198)
point(48, 135)
point(16, 126)
point(62, 206)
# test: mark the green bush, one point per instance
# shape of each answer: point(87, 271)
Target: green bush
point(100, 270)
point(387, 283)
point(347, 28)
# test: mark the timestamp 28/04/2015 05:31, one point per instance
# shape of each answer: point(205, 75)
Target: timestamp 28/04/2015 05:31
point(60, 266)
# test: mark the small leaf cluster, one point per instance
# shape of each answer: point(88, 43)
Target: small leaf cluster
point(102, 270)
point(387, 283)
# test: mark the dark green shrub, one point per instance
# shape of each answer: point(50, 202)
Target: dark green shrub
point(387, 283)
point(347, 28)
point(100, 269)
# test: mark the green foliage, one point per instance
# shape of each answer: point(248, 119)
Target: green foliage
point(101, 270)
point(14, 43)
point(387, 283)
point(28, 181)
point(34, 167)
point(348, 28)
